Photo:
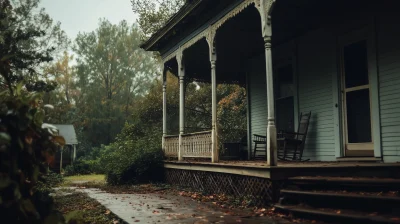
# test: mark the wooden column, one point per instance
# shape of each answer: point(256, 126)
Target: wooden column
point(265, 11)
point(164, 107)
point(74, 154)
point(181, 74)
point(213, 61)
point(61, 158)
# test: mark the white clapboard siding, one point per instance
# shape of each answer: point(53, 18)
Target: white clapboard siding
point(316, 65)
point(388, 33)
point(257, 96)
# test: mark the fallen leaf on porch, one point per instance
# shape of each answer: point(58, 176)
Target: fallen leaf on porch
point(107, 212)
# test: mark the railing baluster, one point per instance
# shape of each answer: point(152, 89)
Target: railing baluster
point(194, 145)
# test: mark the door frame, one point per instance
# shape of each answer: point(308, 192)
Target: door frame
point(367, 33)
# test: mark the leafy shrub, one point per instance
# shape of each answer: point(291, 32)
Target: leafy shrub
point(83, 167)
point(26, 149)
point(142, 167)
point(133, 158)
point(49, 181)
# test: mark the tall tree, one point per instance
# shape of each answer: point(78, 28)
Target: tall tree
point(63, 98)
point(28, 38)
point(153, 14)
point(112, 70)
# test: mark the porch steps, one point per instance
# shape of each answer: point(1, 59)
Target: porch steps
point(342, 199)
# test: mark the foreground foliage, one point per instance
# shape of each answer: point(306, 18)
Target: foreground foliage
point(26, 149)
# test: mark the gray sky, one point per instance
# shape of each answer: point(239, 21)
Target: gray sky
point(83, 15)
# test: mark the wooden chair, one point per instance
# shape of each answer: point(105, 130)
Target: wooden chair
point(260, 142)
point(291, 144)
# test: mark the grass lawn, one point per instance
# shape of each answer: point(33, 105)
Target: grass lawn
point(93, 179)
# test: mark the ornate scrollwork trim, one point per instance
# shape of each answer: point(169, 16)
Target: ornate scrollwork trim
point(170, 56)
point(263, 6)
point(237, 10)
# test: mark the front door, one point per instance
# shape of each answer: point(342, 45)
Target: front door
point(284, 101)
point(356, 99)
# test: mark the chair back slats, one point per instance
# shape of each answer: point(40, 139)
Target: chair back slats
point(303, 126)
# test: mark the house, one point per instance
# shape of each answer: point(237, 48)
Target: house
point(338, 59)
point(67, 154)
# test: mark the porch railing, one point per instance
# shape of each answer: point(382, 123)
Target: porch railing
point(197, 145)
point(194, 145)
point(171, 145)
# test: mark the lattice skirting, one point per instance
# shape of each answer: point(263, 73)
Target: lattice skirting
point(260, 190)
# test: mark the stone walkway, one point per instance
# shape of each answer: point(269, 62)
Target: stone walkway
point(160, 208)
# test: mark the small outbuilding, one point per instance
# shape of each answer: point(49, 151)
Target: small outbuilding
point(67, 154)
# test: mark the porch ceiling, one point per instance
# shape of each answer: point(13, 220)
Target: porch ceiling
point(240, 38)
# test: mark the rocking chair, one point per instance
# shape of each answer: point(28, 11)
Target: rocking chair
point(291, 144)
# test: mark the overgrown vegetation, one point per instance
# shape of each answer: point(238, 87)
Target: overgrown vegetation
point(26, 149)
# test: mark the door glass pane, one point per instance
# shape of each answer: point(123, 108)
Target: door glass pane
point(285, 81)
point(358, 116)
point(285, 114)
point(356, 64)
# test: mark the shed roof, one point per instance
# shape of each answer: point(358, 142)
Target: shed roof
point(68, 132)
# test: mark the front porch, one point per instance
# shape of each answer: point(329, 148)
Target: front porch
point(337, 59)
point(256, 181)
point(297, 70)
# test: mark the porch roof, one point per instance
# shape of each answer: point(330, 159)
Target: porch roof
point(193, 15)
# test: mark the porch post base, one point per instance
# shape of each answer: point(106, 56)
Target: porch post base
point(180, 150)
point(163, 143)
point(214, 147)
point(272, 145)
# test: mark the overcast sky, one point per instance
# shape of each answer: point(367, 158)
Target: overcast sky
point(83, 15)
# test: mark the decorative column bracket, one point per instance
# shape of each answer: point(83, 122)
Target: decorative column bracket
point(181, 74)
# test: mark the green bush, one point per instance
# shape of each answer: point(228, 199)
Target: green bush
point(141, 167)
point(133, 158)
point(49, 181)
point(83, 167)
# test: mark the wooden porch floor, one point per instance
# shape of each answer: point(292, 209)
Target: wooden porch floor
point(285, 164)
point(290, 169)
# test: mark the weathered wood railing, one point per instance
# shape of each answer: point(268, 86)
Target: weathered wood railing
point(194, 145)
point(197, 145)
point(171, 145)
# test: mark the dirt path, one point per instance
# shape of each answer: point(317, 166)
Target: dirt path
point(168, 208)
